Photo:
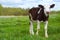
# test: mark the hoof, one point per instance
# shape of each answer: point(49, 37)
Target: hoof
point(46, 36)
point(32, 33)
point(36, 33)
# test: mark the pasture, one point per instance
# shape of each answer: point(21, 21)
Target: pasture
point(17, 28)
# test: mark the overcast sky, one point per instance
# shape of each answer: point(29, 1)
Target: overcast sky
point(29, 3)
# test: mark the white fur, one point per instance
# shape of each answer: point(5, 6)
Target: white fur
point(30, 16)
point(31, 28)
point(45, 13)
point(38, 26)
point(39, 10)
point(46, 9)
point(46, 24)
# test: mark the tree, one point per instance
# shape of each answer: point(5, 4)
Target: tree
point(0, 9)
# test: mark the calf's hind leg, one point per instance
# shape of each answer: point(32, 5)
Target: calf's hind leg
point(38, 26)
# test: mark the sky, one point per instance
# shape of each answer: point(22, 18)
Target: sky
point(29, 3)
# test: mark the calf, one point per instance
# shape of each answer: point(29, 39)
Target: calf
point(40, 13)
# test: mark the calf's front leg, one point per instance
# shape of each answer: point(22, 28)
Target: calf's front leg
point(46, 24)
point(31, 28)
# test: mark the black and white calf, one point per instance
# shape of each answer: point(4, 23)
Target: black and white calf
point(40, 13)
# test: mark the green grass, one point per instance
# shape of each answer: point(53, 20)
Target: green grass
point(17, 28)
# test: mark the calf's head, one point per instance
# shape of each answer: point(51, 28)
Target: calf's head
point(46, 8)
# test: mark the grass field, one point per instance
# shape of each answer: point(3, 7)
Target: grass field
point(17, 28)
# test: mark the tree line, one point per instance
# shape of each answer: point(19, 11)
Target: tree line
point(7, 11)
point(13, 11)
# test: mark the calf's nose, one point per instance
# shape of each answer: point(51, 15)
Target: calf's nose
point(47, 12)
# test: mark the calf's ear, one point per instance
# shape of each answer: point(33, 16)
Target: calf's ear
point(41, 6)
point(51, 6)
